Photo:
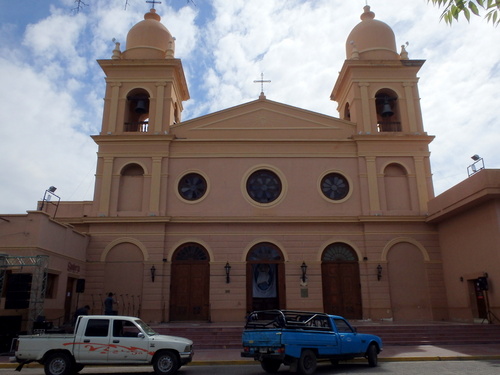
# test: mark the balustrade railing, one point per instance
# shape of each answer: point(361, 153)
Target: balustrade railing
point(136, 127)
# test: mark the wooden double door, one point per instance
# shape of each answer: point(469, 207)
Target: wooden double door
point(190, 284)
point(189, 298)
point(342, 289)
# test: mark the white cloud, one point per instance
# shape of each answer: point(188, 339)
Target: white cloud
point(40, 140)
point(298, 44)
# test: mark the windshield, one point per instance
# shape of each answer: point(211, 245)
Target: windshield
point(147, 329)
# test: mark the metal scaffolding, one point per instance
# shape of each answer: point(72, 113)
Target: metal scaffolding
point(38, 265)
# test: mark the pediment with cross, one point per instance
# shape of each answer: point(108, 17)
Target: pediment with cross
point(264, 119)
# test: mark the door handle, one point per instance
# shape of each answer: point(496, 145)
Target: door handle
point(116, 341)
point(86, 340)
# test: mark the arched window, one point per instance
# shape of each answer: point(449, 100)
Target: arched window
point(190, 251)
point(397, 189)
point(339, 252)
point(131, 188)
point(347, 112)
point(264, 251)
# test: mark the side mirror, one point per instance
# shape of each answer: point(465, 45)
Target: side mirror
point(140, 335)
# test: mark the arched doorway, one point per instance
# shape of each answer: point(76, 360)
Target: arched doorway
point(408, 283)
point(190, 284)
point(341, 282)
point(265, 278)
point(123, 276)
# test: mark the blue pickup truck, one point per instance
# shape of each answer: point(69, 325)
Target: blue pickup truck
point(298, 339)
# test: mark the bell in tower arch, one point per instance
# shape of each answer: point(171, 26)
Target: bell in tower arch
point(386, 109)
point(141, 106)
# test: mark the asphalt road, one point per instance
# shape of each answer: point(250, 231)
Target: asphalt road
point(403, 368)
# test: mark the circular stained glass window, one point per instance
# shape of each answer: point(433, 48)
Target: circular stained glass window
point(264, 186)
point(334, 186)
point(192, 186)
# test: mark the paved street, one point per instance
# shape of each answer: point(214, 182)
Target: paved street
point(404, 368)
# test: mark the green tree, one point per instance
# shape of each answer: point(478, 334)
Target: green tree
point(454, 8)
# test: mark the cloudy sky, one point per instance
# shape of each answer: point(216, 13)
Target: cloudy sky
point(53, 86)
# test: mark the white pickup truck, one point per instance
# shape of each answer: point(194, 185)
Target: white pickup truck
point(104, 340)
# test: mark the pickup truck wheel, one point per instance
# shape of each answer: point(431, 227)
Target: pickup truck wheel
point(371, 354)
point(270, 366)
point(165, 363)
point(307, 362)
point(59, 364)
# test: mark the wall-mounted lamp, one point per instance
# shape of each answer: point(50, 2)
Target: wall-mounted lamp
point(303, 267)
point(227, 267)
point(153, 273)
point(379, 272)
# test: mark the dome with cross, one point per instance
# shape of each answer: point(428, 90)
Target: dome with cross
point(149, 39)
point(371, 39)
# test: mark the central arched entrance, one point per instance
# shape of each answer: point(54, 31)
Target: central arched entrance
point(190, 282)
point(341, 282)
point(265, 278)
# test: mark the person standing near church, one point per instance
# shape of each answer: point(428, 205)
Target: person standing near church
point(109, 304)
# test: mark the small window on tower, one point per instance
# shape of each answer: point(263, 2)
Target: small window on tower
point(347, 112)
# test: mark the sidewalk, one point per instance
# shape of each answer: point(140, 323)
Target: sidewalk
point(393, 353)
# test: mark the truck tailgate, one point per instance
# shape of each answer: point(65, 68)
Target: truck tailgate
point(262, 337)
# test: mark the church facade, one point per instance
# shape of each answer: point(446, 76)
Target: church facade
point(258, 206)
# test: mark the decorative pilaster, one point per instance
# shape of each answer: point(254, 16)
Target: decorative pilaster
point(365, 107)
point(154, 199)
point(160, 97)
point(106, 180)
point(371, 169)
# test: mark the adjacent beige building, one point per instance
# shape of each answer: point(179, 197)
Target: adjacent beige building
point(265, 205)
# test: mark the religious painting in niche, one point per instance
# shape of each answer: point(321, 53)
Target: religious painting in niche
point(264, 186)
point(264, 280)
point(335, 186)
point(265, 277)
point(192, 186)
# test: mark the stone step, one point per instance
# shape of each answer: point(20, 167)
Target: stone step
point(212, 337)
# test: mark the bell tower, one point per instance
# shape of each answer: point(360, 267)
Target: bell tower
point(377, 89)
point(145, 90)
